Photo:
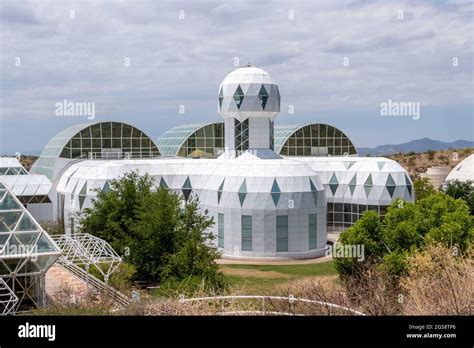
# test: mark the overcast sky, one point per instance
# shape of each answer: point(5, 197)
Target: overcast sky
point(179, 52)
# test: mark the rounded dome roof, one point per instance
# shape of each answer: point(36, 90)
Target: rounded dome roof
point(248, 92)
point(248, 74)
point(463, 171)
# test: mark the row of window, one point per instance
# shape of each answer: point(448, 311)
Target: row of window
point(282, 228)
point(345, 214)
point(317, 151)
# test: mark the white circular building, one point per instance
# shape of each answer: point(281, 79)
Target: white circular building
point(264, 204)
point(463, 171)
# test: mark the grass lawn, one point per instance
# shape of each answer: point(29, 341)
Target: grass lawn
point(263, 279)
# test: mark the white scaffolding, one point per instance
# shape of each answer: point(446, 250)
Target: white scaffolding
point(86, 250)
point(8, 299)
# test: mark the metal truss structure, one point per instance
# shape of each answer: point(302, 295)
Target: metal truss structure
point(8, 299)
point(83, 249)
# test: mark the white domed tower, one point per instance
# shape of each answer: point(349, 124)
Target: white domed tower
point(249, 101)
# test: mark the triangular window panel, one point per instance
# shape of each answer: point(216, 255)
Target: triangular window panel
point(353, 184)
point(9, 203)
point(44, 244)
point(44, 262)
point(221, 97)
point(276, 192)
point(26, 224)
point(163, 183)
point(390, 185)
point(27, 239)
point(8, 220)
point(82, 195)
point(242, 192)
point(238, 96)
point(83, 189)
point(106, 187)
point(409, 186)
point(219, 191)
point(263, 96)
point(314, 191)
point(187, 188)
point(333, 184)
point(3, 240)
point(368, 185)
point(380, 165)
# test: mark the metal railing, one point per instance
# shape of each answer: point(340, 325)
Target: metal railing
point(290, 299)
point(94, 284)
point(115, 155)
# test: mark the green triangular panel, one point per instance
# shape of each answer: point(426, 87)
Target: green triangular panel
point(380, 165)
point(221, 97)
point(163, 183)
point(333, 184)
point(106, 187)
point(242, 192)
point(390, 185)
point(408, 183)
point(263, 96)
point(353, 184)
point(219, 191)
point(368, 185)
point(238, 96)
point(187, 188)
point(276, 192)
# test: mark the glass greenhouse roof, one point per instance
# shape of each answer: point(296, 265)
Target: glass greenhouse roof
point(171, 141)
point(83, 140)
point(282, 133)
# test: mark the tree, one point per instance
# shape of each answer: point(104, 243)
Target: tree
point(461, 190)
point(163, 240)
point(423, 188)
point(407, 228)
point(114, 212)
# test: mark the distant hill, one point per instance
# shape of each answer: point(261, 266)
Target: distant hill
point(418, 145)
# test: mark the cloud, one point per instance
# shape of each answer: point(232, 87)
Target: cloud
point(181, 61)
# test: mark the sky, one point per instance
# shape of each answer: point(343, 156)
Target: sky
point(145, 62)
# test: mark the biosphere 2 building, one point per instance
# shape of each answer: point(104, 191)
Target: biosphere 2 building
point(265, 204)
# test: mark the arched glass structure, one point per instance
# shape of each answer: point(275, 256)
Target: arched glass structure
point(193, 140)
point(315, 139)
point(96, 140)
point(207, 140)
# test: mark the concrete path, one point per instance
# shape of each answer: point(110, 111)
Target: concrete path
point(272, 262)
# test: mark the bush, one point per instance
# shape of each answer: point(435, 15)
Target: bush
point(439, 283)
point(407, 228)
point(431, 154)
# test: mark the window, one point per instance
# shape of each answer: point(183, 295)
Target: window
point(312, 231)
point(282, 233)
point(238, 97)
point(247, 232)
point(220, 230)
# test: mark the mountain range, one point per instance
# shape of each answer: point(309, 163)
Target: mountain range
point(418, 145)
